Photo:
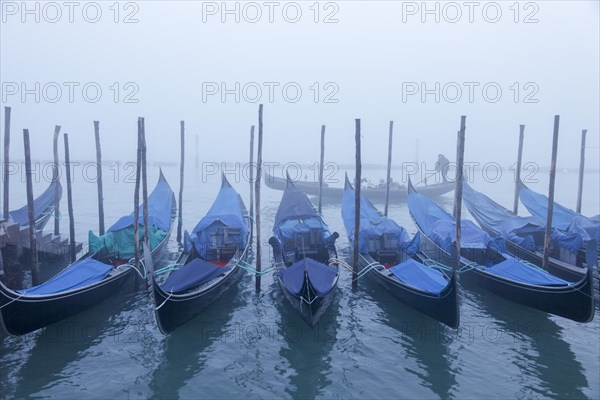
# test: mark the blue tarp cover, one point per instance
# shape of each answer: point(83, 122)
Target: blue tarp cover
point(160, 204)
point(321, 276)
point(420, 276)
point(562, 218)
point(440, 226)
point(297, 215)
point(373, 224)
point(520, 230)
point(80, 274)
point(294, 205)
point(194, 273)
point(226, 211)
point(515, 270)
point(41, 204)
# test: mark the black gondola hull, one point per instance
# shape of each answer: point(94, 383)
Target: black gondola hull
point(29, 313)
point(311, 313)
point(175, 310)
point(574, 302)
point(443, 307)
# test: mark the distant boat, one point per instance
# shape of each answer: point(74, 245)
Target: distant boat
point(94, 277)
point(43, 208)
point(373, 194)
point(396, 263)
point(485, 263)
point(209, 264)
point(303, 252)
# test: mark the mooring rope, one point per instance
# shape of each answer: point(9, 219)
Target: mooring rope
point(248, 267)
point(13, 300)
point(164, 302)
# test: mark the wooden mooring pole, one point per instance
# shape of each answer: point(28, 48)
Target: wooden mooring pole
point(357, 179)
point(518, 170)
point(99, 178)
point(547, 237)
point(55, 179)
point(69, 200)
point(33, 259)
point(181, 169)
point(257, 194)
point(6, 160)
point(321, 166)
point(581, 169)
point(145, 187)
point(136, 200)
point(389, 169)
point(251, 177)
point(460, 157)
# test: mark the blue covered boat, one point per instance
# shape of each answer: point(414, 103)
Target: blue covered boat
point(304, 253)
point(563, 219)
point(93, 278)
point(524, 236)
point(43, 208)
point(392, 260)
point(486, 263)
point(208, 265)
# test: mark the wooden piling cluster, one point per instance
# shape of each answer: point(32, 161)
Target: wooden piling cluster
point(547, 237)
point(460, 154)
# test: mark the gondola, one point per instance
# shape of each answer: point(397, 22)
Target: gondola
point(93, 277)
point(373, 194)
point(43, 208)
point(304, 255)
point(524, 236)
point(563, 219)
point(484, 262)
point(395, 262)
point(208, 265)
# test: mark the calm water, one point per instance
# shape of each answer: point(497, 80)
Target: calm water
point(249, 345)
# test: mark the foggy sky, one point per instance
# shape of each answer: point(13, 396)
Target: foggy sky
point(368, 55)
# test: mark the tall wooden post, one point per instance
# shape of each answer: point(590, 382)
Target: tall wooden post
point(321, 165)
point(136, 198)
point(357, 179)
point(389, 170)
point(181, 168)
point(460, 154)
point(251, 173)
point(70, 200)
point(518, 170)
point(145, 186)
point(581, 169)
point(30, 213)
point(6, 160)
point(99, 178)
point(55, 179)
point(257, 194)
point(551, 193)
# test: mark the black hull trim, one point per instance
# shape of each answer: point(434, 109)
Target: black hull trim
point(41, 311)
point(443, 307)
point(575, 302)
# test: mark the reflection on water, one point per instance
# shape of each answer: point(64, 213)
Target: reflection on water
point(183, 352)
point(67, 341)
point(547, 363)
point(306, 349)
point(423, 339)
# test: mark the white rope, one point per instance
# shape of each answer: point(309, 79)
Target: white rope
point(164, 302)
point(13, 300)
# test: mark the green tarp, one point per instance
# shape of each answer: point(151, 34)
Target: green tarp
point(120, 243)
